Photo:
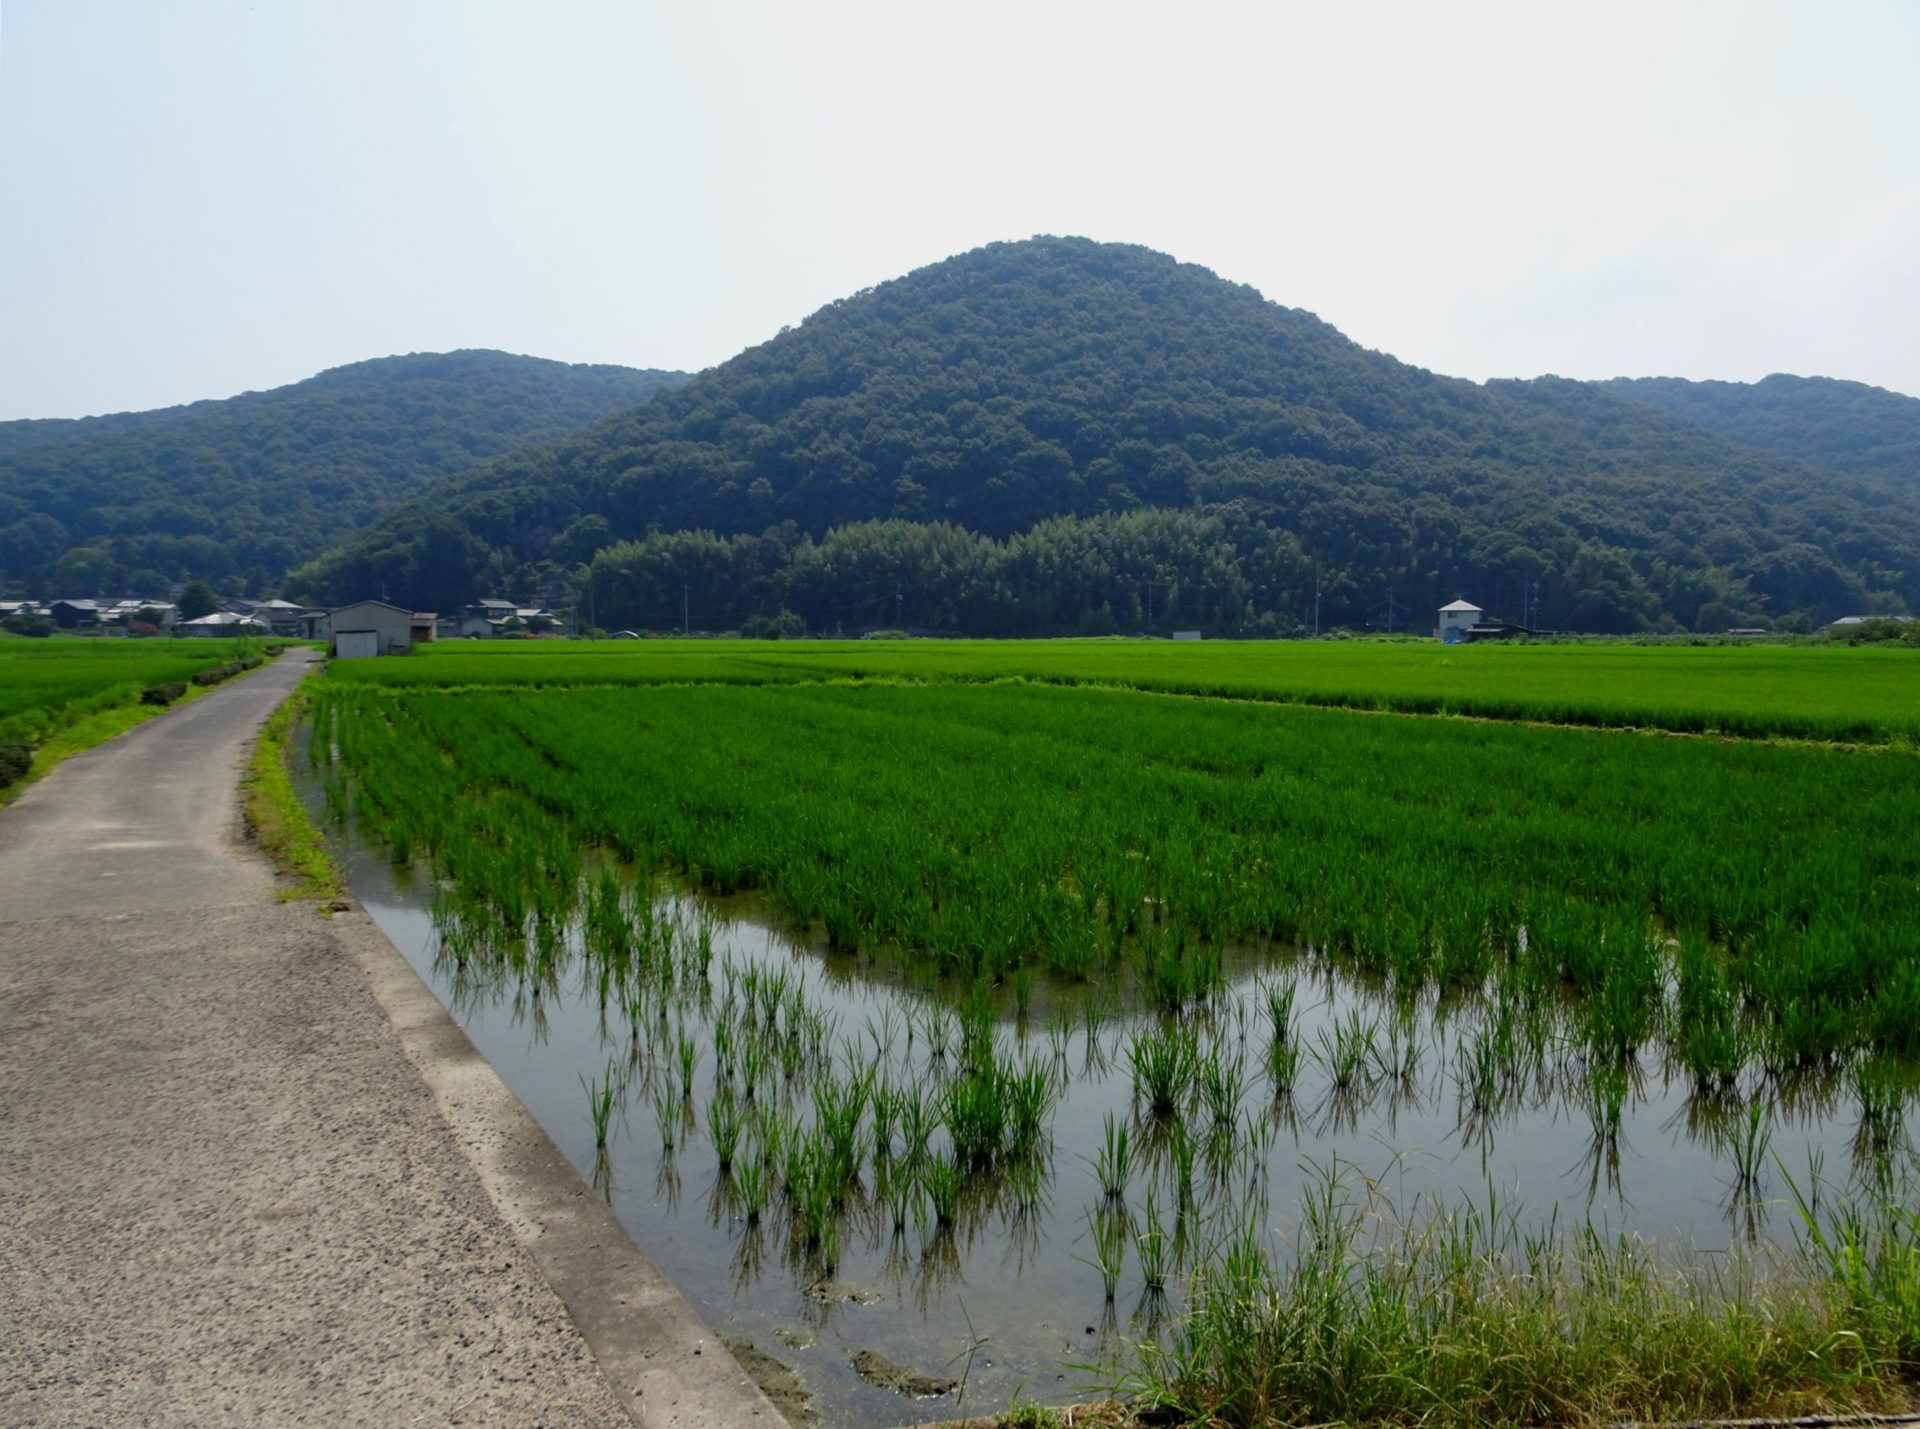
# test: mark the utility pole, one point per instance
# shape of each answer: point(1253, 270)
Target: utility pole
point(686, 611)
point(899, 600)
point(1151, 585)
point(1316, 607)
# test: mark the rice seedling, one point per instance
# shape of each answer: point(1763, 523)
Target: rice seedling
point(1164, 1063)
point(666, 1111)
point(1746, 1139)
point(942, 1177)
point(688, 1052)
point(1151, 1247)
point(1222, 1088)
point(899, 1193)
point(1283, 1068)
point(1114, 1160)
point(724, 1124)
point(1060, 1034)
point(1108, 1232)
point(1182, 1149)
point(1347, 1051)
point(600, 1100)
point(918, 1117)
point(885, 1104)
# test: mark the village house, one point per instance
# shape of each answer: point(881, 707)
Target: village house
point(1457, 621)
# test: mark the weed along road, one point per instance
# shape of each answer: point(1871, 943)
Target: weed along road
point(247, 1177)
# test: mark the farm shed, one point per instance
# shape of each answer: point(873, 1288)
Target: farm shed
point(369, 627)
point(1457, 621)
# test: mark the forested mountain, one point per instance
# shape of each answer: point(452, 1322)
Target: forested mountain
point(1051, 435)
point(1037, 393)
point(237, 491)
point(1847, 427)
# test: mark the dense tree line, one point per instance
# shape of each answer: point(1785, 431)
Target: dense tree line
point(237, 491)
point(1100, 575)
point(1001, 391)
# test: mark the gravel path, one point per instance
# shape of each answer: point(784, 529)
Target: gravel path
point(226, 1193)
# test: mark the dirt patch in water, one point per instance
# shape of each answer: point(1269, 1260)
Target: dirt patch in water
point(876, 1368)
point(839, 1292)
point(778, 1380)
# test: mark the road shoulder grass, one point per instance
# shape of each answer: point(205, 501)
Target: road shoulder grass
point(278, 819)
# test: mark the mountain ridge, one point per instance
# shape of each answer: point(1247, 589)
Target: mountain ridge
point(239, 489)
point(1055, 380)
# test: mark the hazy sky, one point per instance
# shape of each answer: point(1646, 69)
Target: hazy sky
point(200, 197)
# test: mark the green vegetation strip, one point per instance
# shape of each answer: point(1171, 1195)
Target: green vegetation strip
point(1780, 691)
point(278, 818)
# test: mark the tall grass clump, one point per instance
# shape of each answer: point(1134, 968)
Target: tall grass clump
point(1459, 1317)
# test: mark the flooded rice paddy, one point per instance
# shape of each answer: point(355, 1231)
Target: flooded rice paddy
point(927, 1198)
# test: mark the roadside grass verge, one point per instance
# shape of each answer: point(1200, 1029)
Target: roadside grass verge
point(277, 817)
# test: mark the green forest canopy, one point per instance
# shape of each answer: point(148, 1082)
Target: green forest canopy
point(1045, 436)
point(237, 491)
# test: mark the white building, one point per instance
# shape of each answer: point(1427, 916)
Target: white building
point(1457, 621)
point(369, 627)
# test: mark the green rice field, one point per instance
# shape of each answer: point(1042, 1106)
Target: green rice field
point(1792, 691)
point(1275, 1052)
point(48, 684)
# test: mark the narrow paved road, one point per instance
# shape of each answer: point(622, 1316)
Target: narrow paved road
point(226, 1197)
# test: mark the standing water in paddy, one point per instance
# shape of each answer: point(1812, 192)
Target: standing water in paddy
point(836, 1159)
point(966, 1025)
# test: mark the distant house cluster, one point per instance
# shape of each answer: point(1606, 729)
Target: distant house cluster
point(133, 615)
point(87, 613)
point(494, 617)
point(392, 628)
point(377, 627)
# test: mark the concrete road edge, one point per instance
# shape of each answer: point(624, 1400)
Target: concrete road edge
point(663, 1361)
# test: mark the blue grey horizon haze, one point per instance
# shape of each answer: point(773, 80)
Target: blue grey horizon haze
point(201, 197)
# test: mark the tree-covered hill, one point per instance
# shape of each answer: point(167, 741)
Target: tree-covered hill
point(237, 491)
point(1847, 427)
point(951, 437)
